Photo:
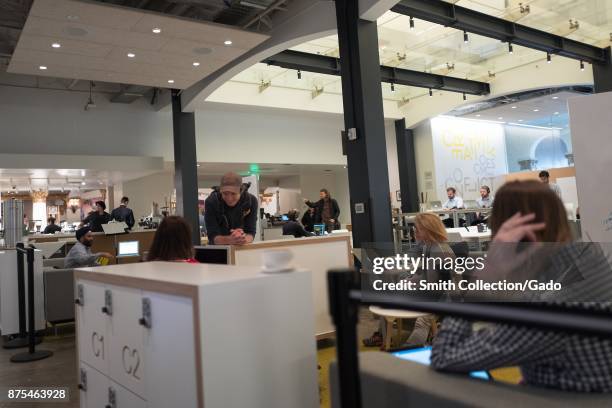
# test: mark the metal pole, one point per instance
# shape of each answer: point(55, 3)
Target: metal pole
point(21, 339)
point(344, 312)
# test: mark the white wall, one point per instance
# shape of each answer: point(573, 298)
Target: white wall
point(290, 196)
point(425, 165)
point(143, 191)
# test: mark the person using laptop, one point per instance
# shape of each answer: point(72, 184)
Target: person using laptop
point(452, 203)
point(123, 213)
point(293, 227)
point(80, 254)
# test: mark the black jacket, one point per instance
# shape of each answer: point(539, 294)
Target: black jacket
point(95, 220)
point(123, 214)
point(308, 221)
point(318, 205)
point(296, 229)
point(52, 229)
point(220, 219)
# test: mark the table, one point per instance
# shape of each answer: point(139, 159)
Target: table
point(390, 315)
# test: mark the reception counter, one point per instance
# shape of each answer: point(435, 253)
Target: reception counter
point(317, 254)
point(164, 334)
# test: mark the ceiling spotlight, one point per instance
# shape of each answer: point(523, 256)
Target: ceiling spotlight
point(56, 45)
point(548, 58)
point(196, 64)
point(465, 37)
point(171, 81)
point(464, 97)
point(510, 49)
point(82, 183)
point(72, 17)
point(412, 23)
point(555, 97)
point(477, 116)
point(514, 107)
point(392, 87)
point(131, 55)
point(430, 92)
point(500, 118)
point(299, 74)
point(536, 110)
point(42, 67)
point(520, 120)
point(198, 165)
point(156, 30)
point(556, 113)
point(228, 42)
point(581, 65)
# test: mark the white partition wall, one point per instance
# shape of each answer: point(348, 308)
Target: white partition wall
point(591, 125)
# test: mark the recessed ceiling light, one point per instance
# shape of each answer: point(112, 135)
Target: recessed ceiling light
point(228, 42)
point(156, 30)
point(196, 64)
point(171, 81)
point(556, 113)
point(555, 97)
point(56, 45)
point(72, 17)
point(536, 110)
point(42, 67)
point(500, 118)
point(520, 120)
point(198, 164)
point(477, 116)
point(131, 55)
point(514, 107)
point(82, 183)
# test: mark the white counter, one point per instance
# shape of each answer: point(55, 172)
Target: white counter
point(217, 336)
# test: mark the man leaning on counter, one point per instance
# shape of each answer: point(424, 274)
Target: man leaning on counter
point(231, 213)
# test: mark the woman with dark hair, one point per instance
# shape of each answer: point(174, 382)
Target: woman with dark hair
point(528, 211)
point(327, 210)
point(172, 241)
point(96, 218)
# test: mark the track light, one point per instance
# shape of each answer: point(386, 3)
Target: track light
point(465, 37)
point(464, 97)
point(430, 92)
point(412, 23)
point(581, 65)
point(548, 58)
point(299, 74)
point(510, 50)
point(392, 87)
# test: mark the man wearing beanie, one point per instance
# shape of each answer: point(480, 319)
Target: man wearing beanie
point(231, 213)
point(80, 255)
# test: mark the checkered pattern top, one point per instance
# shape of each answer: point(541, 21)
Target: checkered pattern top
point(547, 359)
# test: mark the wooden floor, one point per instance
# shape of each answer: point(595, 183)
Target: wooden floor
point(59, 370)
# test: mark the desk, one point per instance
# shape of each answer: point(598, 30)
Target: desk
point(391, 315)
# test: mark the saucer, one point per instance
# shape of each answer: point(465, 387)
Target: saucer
point(282, 269)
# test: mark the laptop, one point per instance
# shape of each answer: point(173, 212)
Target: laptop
point(127, 248)
point(435, 205)
point(423, 356)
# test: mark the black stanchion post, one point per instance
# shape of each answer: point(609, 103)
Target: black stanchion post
point(32, 354)
point(22, 339)
point(344, 312)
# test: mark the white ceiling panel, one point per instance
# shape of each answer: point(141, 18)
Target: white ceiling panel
point(96, 39)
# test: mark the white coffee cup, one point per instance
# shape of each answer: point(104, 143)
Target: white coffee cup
point(276, 259)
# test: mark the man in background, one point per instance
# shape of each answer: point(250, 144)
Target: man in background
point(545, 178)
point(80, 254)
point(123, 213)
point(485, 201)
point(51, 228)
point(452, 203)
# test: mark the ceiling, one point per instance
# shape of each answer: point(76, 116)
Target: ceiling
point(67, 179)
point(548, 110)
point(116, 44)
point(278, 170)
point(434, 48)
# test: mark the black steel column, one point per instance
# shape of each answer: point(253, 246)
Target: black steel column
point(364, 122)
point(185, 165)
point(602, 75)
point(406, 161)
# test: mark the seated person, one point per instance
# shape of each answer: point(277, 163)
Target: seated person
point(293, 227)
point(80, 254)
point(172, 241)
point(528, 211)
point(454, 202)
point(231, 213)
point(309, 219)
point(52, 228)
point(485, 201)
point(96, 218)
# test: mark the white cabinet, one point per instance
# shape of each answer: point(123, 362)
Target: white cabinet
point(173, 335)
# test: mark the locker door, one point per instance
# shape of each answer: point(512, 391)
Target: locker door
point(92, 326)
point(95, 394)
point(124, 398)
point(127, 360)
point(170, 352)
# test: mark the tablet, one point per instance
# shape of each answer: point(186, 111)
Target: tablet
point(423, 356)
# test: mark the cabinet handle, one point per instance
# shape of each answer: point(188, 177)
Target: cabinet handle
point(77, 301)
point(81, 387)
point(143, 322)
point(105, 310)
